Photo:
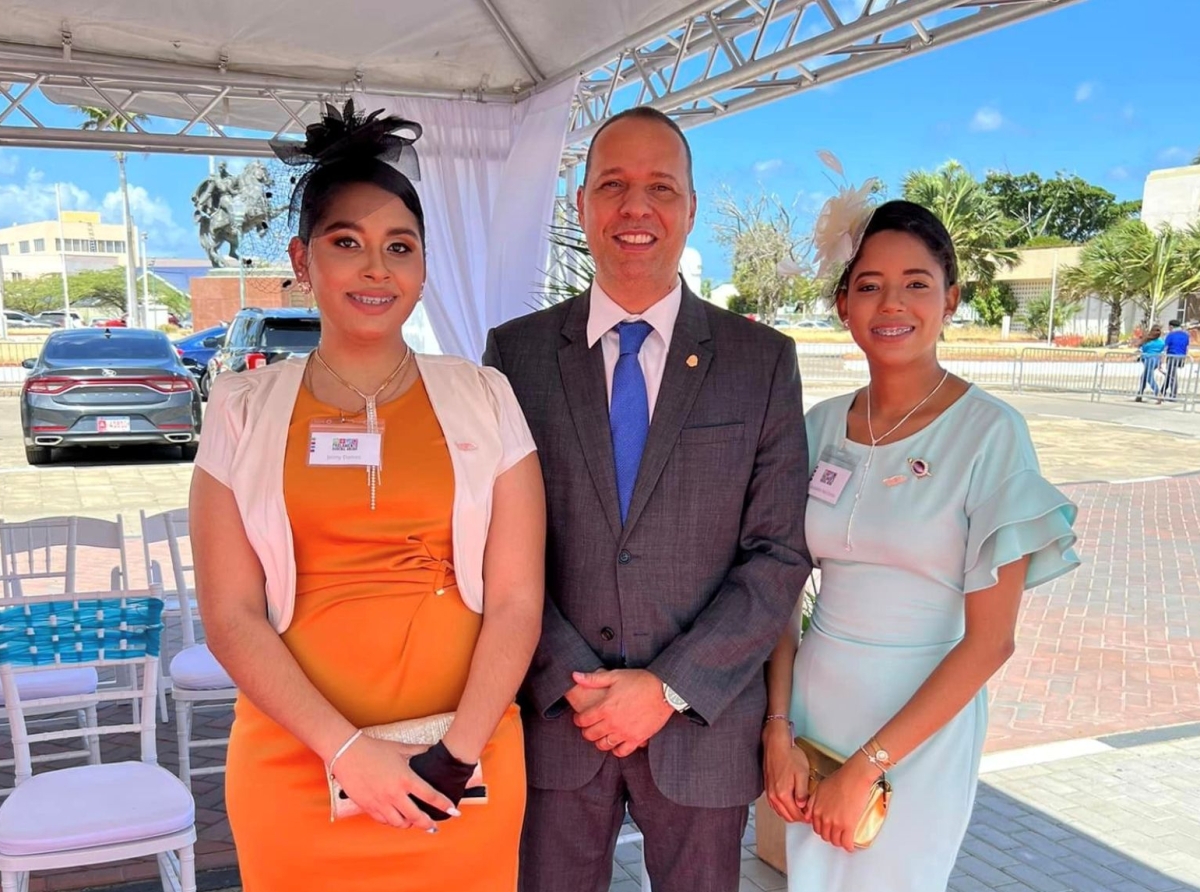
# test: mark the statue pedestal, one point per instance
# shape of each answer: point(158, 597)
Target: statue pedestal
point(216, 296)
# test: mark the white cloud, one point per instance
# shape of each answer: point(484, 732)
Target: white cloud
point(1084, 91)
point(150, 214)
point(33, 200)
point(9, 163)
point(770, 166)
point(1175, 155)
point(987, 119)
point(1118, 173)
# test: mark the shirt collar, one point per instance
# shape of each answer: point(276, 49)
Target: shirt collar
point(604, 313)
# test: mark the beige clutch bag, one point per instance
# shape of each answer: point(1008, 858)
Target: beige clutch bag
point(415, 732)
point(823, 762)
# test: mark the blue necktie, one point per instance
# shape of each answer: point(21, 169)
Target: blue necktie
point(629, 412)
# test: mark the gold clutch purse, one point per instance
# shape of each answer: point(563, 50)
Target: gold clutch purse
point(823, 762)
point(415, 732)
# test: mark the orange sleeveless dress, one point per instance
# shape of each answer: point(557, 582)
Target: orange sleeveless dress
point(382, 632)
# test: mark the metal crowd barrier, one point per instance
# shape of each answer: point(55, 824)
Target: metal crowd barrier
point(1094, 373)
point(1121, 375)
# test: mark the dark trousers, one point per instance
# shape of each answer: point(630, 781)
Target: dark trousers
point(569, 836)
point(1174, 365)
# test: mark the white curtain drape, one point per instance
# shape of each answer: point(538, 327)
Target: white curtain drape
point(489, 173)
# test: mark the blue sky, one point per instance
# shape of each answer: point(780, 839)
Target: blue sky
point(1103, 88)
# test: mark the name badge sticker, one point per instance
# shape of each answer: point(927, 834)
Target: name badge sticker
point(344, 444)
point(833, 472)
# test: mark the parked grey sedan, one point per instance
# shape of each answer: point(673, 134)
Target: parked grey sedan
point(108, 387)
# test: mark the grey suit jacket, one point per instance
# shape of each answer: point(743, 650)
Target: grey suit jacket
point(707, 569)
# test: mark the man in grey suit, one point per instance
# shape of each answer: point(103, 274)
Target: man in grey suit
point(671, 435)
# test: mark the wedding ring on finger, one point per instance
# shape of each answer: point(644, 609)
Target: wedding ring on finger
point(608, 742)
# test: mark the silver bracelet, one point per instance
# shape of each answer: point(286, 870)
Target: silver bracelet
point(342, 751)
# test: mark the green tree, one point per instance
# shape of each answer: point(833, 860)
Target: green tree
point(992, 302)
point(706, 288)
point(742, 305)
point(1066, 207)
point(1130, 263)
point(1105, 273)
point(1036, 315)
point(980, 229)
point(35, 296)
point(760, 234)
point(100, 289)
point(105, 119)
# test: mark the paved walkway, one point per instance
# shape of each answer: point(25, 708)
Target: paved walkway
point(1109, 649)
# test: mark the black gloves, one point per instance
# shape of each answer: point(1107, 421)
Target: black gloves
point(438, 768)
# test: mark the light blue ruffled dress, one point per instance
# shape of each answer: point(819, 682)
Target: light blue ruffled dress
point(892, 605)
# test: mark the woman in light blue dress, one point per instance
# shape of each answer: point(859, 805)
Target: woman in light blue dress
point(928, 518)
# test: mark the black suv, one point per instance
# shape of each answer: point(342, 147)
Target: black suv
point(258, 337)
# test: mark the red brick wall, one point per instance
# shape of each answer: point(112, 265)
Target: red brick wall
point(216, 299)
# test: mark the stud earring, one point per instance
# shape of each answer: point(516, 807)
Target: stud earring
point(946, 319)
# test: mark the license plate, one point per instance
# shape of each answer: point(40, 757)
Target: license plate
point(112, 425)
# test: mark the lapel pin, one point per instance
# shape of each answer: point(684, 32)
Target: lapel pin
point(693, 361)
point(920, 468)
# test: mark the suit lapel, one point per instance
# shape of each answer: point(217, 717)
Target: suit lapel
point(680, 385)
point(584, 382)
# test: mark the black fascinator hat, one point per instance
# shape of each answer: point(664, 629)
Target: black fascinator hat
point(347, 147)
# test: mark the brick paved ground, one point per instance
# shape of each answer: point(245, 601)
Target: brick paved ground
point(1114, 645)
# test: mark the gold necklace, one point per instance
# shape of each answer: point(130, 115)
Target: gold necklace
point(373, 471)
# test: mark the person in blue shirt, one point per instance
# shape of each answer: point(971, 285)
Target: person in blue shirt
point(1176, 345)
point(1151, 357)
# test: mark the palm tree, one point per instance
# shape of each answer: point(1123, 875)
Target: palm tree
point(1132, 263)
point(973, 217)
point(97, 119)
point(1104, 272)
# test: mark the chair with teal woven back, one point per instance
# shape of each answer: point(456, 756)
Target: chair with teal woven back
point(41, 557)
point(90, 814)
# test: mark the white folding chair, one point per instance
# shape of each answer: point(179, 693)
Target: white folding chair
point(196, 679)
point(154, 532)
point(40, 557)
point(90, 814)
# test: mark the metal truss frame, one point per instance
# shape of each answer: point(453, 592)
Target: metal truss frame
point(711, 59)
point(722, 58)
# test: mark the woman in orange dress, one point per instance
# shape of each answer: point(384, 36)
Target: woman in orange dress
point(343, 588)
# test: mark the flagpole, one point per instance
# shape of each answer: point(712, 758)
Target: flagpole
point(62, 256)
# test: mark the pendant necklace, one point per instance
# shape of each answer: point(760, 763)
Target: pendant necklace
point(875, 441)
point(373, 471)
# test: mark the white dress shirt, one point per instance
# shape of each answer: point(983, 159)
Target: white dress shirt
point(603, 316)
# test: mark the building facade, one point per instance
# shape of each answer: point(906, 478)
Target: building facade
point(30, 250)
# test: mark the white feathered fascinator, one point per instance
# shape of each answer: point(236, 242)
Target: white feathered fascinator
point(841, 224)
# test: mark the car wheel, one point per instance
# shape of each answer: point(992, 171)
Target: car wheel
point(37, 455)
point(204, 385)
point(188, 451)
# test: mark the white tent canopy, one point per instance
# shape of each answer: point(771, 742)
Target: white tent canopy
point(264, 65)
point(497, 84)
point(468, 49)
